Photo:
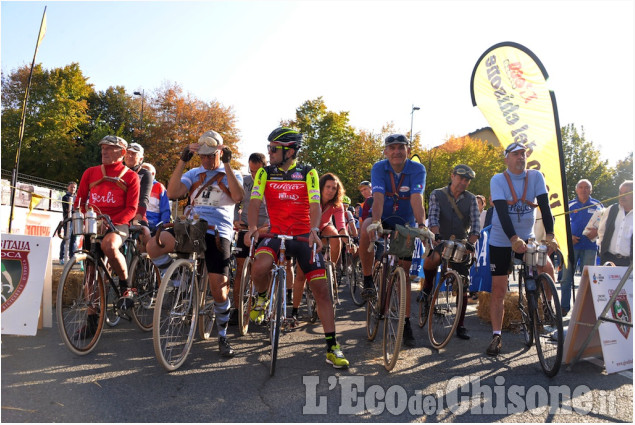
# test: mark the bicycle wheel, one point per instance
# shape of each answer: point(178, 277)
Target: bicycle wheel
point(445, 309)
point(206, 314)
point(524, 303)
point(112, 318)
point(175, 315)
point(246, 298)
point(275, 322)
point(548, 326)
point(81, 306)
point(332, 285)
point(395, 317)
point(356, 281)
point(311, 304)
point(144, 276)
point(373, 311)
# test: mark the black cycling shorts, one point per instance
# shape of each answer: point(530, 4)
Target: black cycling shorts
point(500, 260)
point(298, 249)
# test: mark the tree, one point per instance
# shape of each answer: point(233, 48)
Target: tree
point(623, 171)
point(582, 161)
point(56, 113)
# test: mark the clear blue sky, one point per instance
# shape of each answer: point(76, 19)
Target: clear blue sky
point(373, 59)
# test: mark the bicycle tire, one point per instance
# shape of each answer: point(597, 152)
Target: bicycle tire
point(206, 314)
point(112, 318)
point(395, 317)
point(145, 277)
point(332, 285)
point(175, 315)
point(311, 304)
point(275, 323)
point(246, 298)
point(373, 311)
point(76, 301)
point(524, 304)
point(548, 326)
point(445, 309)
point(356, 282)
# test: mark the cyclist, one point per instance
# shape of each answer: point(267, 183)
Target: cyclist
point(292, 196)
point(214, 189)
point(112, 189)
point(133, 160)
point(256, 161)
point(452, 211)
point(159, 205)
point(351, 223)
point(510, 234)
point(366, 190)
point(398, 185)
point(332, 222)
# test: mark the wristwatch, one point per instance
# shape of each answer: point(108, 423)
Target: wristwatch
point(315, 229)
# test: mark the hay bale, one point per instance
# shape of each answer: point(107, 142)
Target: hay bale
point(510, 304)
point(75, 278)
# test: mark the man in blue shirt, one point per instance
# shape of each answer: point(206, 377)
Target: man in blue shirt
point(398, 185)
point(581, 210)
point(214, 189)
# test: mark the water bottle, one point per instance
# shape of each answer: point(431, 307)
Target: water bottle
point(541, 255)
point(530, 259)
point(90, 222)
point(77, 219)
point(448, 250)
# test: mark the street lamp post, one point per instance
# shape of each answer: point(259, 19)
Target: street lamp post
point(142, 94)
point(412, 115)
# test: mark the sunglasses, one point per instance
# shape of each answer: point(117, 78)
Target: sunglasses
point(514, 146)
point(273, 148)
point(396, 138)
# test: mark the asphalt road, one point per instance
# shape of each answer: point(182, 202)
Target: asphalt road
point(121, 381)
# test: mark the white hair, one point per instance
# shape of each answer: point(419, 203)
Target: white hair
point(584, 181)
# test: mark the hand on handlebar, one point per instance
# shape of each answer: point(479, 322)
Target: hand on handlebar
point(315, 239)
point(519, 246)
point(249, 235)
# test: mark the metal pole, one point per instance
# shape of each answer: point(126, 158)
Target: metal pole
point(412, 116)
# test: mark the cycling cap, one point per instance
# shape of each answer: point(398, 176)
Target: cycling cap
point(114, 141)
point(396, 138)
point(136, 147)
point(515, 147)
point(346, 200)
point(286, 137)
point(464, 171)
point(209, 143)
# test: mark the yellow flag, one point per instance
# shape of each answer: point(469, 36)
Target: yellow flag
point(42, 30)
point(35, 200)
point(509, 86)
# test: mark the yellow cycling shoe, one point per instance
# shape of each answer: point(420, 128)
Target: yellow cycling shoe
point(336, 358)
point(257, 313)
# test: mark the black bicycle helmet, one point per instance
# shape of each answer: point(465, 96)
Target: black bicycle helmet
point(286, 137)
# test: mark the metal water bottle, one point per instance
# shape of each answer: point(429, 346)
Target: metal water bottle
point(541, 255)
point(530, 259)
point(77, 219)
point(90, 222)
point(448, 249)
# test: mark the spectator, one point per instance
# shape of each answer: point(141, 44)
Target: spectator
point(615, 232)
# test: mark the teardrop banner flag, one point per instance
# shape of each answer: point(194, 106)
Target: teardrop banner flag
point(509, 86)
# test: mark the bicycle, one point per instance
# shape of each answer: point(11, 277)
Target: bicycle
point(353, 276)
point(389, 303)
point(181, 299)
point(81, 308)
point(330, 271)
point(539, 306)
point(443, 309)
point(275, 315)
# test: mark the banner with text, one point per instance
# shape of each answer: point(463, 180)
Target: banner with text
point(509, 86)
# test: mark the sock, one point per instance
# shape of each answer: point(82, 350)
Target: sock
point(496, 332)
point(262, 294)
point(294, 311)
point(123, 285)
point(222, 316)
point(330, 340)
point(368, 281)
point(163, 262)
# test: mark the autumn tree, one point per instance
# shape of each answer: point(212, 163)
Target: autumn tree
point(57, 111)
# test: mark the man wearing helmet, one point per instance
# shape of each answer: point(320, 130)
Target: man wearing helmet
point(292, 195)
point(398, 185)
point(453, 211)
point(113, 189)
point(214, 189)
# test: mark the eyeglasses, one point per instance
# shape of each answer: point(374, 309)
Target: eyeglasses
point(273, 148)
point(396, 138)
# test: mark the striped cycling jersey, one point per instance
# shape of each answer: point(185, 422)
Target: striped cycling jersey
point(288, 195)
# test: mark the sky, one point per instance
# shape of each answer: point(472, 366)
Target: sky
point(373, 59)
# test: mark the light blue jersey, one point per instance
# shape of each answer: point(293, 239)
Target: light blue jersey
point(523, 216)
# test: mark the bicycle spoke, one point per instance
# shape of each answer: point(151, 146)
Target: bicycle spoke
point(548, 326)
